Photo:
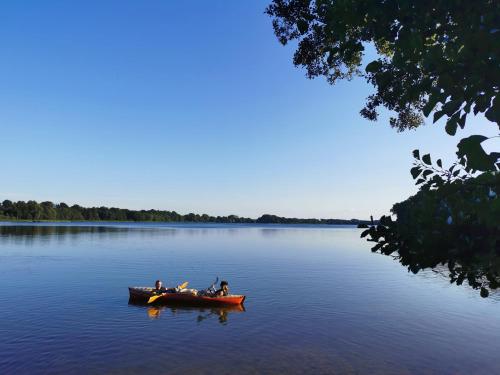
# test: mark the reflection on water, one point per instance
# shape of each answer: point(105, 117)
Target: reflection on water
point(220, 314)
point(50, 230)
point(31, 234)
point(318, 301)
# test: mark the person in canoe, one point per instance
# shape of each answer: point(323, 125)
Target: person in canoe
point(224, 289)
point(160, 289)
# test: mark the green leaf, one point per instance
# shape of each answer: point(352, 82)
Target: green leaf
point(451, 126)
point(302, 26)
point(431, 104)
point(373, 67)
point(492, 116)
point(426, 173)
point(415, 172)
point(495, 156)
point(484, 292)
point(419, 181)
point(482, 104)
point(439, 163)
point(427, 159)
point(416, 154)
point(461, 121)
point(493, 113)
point(466, 108)
point(452, 106)
point(477, 158)
point(437, 116)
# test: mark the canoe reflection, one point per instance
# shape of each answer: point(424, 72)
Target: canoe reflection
point(203, 313)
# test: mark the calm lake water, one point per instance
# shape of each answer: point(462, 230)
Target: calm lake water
point(318, 301)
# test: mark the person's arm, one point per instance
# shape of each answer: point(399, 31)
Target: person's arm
point(159, 291)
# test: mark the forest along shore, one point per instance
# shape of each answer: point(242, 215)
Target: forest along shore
point(49, 211)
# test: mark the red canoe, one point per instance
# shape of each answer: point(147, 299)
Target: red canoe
point(142, 295)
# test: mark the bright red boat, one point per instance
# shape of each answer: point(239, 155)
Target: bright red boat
point(143, 294)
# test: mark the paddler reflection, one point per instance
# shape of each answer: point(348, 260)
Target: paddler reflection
point(204, 313)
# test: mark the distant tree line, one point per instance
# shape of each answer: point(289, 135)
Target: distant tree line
point(34, 211)
point(272, 219)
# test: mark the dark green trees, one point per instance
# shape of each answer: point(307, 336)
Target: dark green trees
point(32, 210)
point(453, 221)
point(441, 55)
point(433, 57)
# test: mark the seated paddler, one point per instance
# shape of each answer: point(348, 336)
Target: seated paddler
point(224, 289)
point(159, 288)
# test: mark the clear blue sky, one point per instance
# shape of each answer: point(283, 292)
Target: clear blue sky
point(188, 106)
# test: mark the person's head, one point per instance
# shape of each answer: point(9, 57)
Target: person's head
point(224, 285)
point(158, 284)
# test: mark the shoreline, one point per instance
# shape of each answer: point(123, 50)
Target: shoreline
point(24, 221)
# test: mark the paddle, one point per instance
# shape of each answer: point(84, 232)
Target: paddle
point(155, 297)
point(211, 288)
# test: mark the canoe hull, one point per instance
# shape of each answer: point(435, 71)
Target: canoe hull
point(141, 295)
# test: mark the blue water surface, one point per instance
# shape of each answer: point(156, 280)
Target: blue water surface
point(318, 301)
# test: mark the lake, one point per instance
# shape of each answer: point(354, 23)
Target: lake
point(318, 301)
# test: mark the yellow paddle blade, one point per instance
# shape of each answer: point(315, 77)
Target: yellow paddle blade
point(156, 296)
point(153, 298)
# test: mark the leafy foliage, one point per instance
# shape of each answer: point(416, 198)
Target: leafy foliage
point(31, 210)
point(474, 156)
point(453, 220)
point(433, 55)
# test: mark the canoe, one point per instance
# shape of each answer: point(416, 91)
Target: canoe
point(142, 294)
